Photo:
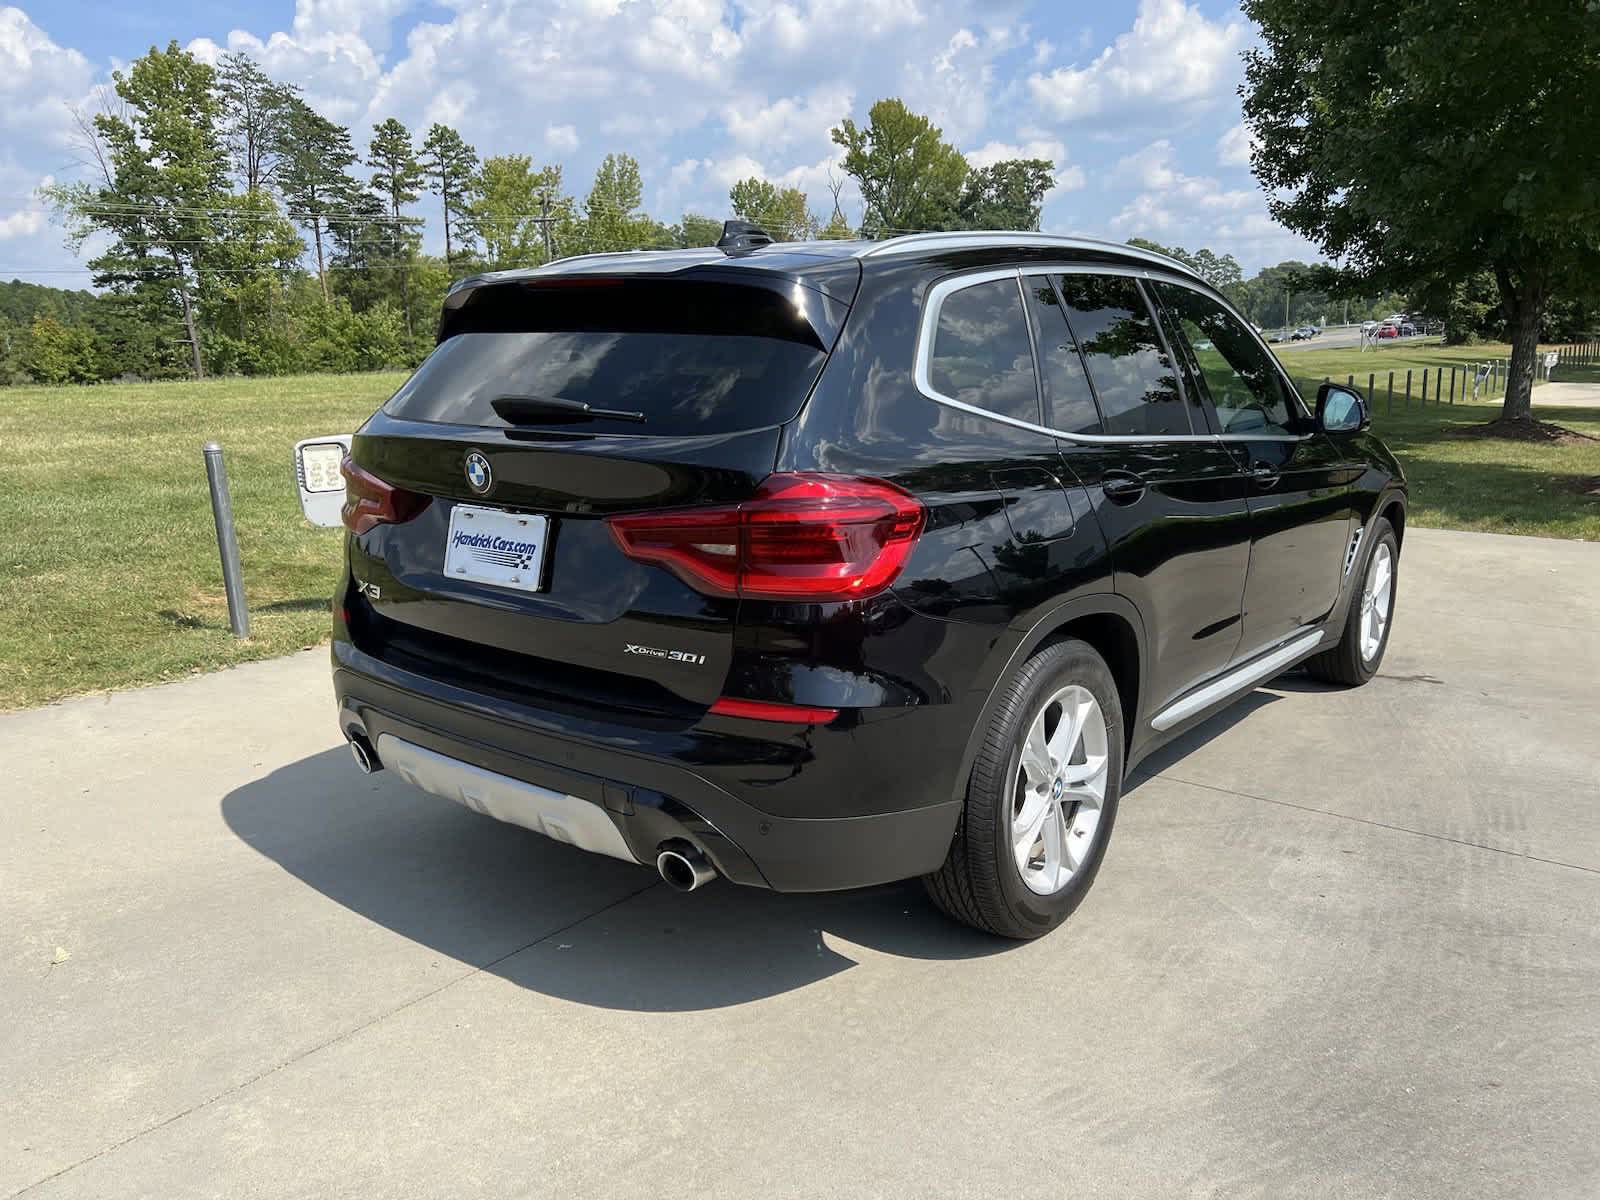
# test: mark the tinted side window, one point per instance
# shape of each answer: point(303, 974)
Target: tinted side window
point(1244, 384)
point(981, 354)
point(1068, 402)
point(1135, 380)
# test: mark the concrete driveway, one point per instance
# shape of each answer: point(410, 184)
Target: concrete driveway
point(1344, 944)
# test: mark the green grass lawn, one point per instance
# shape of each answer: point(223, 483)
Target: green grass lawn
point(1496, 485)
point(109, 575)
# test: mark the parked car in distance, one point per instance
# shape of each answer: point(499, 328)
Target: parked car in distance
point(1303, 334)
point(1277, 335)
point(1407, 329)
point(821, 565)
point(1388, 330)
point(1368, 326)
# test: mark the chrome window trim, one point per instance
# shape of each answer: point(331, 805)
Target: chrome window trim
point(928, 327)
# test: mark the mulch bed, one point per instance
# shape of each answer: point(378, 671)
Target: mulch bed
point(1543, 432)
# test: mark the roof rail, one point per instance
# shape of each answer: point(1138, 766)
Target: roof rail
point(910, 243)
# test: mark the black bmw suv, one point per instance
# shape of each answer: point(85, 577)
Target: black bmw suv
point(826, 564)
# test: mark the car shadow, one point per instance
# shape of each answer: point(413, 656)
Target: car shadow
point(555, 919)
point(1180, 747)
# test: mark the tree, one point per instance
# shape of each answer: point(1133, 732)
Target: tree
point(780, 211)
point(836, 230)
point(57, 353)
point(164, 177)
point(1006, 195)
point(515, 209)
point(367, 252)
point(611, 217)
point(1497, 165)
point(695, 230)
point(1220, 271)
point(255, 114)
point(255, 250)
point(452, 167)
point(909, 176)
point(396, 175)
point(315, 156)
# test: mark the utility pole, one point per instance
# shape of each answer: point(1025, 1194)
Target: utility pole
point(544, 225)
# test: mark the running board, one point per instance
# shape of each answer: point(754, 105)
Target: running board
point(1238, 680)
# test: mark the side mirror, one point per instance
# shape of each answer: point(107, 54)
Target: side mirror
point(1341, 410)
point(316, 470)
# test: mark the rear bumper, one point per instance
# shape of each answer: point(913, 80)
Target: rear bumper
point(650, 790)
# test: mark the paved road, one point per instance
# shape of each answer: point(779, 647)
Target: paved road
point(1345, 943)
point(1332, 338)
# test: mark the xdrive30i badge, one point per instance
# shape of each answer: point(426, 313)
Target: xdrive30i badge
point(683, 656)
point(479, 477)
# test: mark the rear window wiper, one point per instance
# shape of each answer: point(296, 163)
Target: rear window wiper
point(530, 410)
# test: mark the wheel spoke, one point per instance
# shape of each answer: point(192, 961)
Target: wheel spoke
point(1080, 836)
point(1036, 755)
point(1027, 825)
point(1068, 730)
point(1089, 775)
point(1380, 580)
point(1054, 832)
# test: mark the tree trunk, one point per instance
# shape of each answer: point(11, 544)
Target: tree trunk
point(1523, 307)
point(316, 236)
point(444, 193)
point(405, 269)
point(188, 319)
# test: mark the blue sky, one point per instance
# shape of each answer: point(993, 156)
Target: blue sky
point(1134, 100)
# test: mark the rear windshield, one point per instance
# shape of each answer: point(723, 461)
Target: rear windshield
point(694, 358)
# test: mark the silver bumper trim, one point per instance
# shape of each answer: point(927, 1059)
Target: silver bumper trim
point(558, 816)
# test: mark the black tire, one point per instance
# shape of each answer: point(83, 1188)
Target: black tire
point(1343, 662)
point(980, 883)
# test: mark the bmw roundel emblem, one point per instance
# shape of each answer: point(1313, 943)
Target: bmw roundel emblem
point(479, 477)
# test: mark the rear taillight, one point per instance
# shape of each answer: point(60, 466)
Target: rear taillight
point(803, 536)
point(369, 501)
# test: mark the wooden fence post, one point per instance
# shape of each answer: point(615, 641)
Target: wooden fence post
point(1452, 385)
point(1391, 392)
point(1424, 387)
point(1408, 387)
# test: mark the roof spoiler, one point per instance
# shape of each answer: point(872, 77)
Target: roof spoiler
point(741, 237)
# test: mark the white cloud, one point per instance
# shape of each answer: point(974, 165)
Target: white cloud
point(789, 120)
point(25, 222)
point(39, 81)
point(563, 139)
point(1234, 146)
point(1068, 178)
point(1153, 170)
point(1173, 57)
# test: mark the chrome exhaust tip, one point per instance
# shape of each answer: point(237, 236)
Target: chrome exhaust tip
point(366, 757)
point(683, 867)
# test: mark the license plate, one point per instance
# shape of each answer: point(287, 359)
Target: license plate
point(490, 545)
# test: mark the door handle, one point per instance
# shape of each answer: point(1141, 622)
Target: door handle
point(1123, 489)
point(1263, 474)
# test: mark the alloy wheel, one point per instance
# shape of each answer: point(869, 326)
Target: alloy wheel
point(1059, 790)
point(1376, 594)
